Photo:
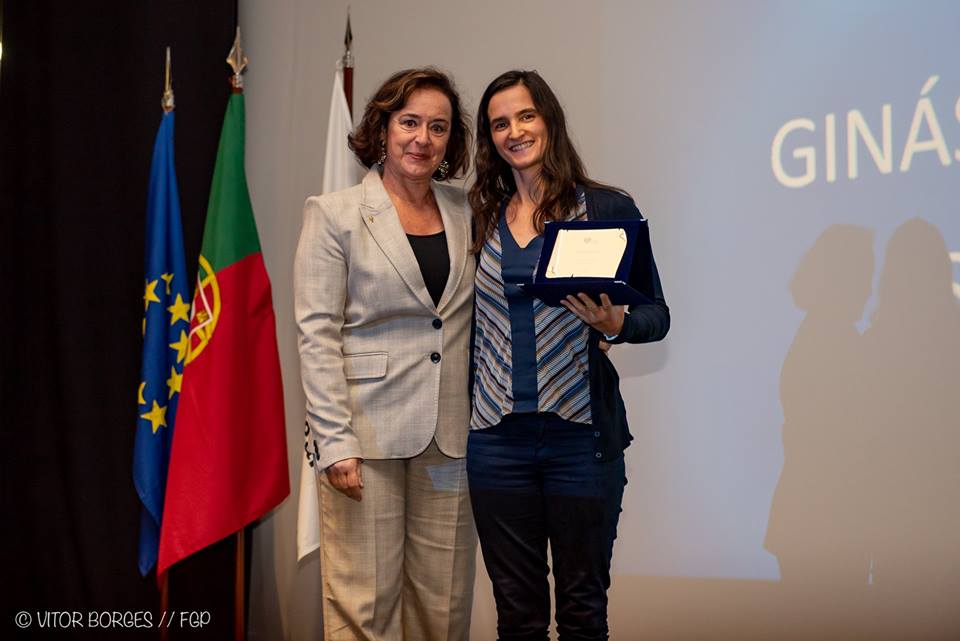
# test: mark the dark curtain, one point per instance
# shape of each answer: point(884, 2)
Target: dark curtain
point(80, 89)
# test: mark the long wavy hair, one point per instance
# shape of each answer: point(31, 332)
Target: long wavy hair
point(561, 172)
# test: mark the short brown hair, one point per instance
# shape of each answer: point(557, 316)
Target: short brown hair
point(391, 96)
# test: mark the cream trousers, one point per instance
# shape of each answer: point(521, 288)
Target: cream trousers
point(399, 565)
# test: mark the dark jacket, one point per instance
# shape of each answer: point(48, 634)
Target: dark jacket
point(644, 324)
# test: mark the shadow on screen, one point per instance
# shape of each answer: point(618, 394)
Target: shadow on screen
point(865, 520)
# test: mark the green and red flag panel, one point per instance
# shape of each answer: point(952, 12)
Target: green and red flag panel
point(228, 464)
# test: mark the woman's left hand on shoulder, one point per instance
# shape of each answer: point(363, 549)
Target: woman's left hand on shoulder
point(606, 317)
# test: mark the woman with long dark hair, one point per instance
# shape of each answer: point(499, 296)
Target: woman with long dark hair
point(548, 426)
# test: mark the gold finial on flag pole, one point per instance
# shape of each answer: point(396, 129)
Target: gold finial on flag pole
point(238, 62)
point(167, 100)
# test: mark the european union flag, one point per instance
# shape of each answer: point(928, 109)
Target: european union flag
point(166, 329)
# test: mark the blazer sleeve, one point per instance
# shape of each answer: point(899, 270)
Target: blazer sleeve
point(643, 323)
point(319, 283)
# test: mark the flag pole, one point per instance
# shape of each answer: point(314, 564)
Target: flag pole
point(164, 604)
point(168, 104)
point(167, 100)
point(348, 64)
point(238, 62)
point(239, 625)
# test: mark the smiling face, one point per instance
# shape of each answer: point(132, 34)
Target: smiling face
point(517, 129)
point(417, 135)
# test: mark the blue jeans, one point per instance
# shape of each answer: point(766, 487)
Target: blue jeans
point(534, 478)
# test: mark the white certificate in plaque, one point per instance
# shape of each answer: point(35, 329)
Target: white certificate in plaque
point(587, 253)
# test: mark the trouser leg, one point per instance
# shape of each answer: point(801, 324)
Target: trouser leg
point(362, 556)
point(440, 549)
point(508, 510)
point(582, 499)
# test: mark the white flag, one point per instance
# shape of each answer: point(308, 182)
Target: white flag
point(340, 170)
point(340, 166)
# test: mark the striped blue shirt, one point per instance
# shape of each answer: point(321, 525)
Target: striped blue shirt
point(529, 357)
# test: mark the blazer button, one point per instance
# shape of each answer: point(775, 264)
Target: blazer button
point(596, 434)
point(598, 455)
point(437, 323)
point(435, 357)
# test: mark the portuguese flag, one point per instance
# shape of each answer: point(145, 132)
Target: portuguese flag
point(228, 464)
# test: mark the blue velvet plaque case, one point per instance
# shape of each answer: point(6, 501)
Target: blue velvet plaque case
point(633, 284)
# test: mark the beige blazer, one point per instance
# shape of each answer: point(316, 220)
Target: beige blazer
point(381, 375)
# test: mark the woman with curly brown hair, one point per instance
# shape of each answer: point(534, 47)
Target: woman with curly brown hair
point(548, 428)
point(384, 293)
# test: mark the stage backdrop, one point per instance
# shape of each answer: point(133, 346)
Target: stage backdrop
point(795, 468)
